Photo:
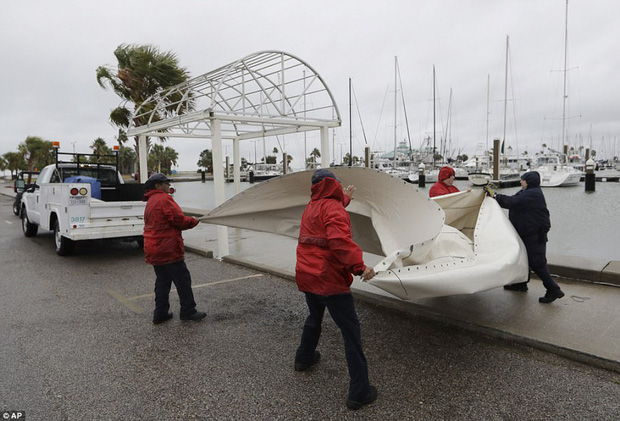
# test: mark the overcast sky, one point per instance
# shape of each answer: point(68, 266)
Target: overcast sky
point(50, 50)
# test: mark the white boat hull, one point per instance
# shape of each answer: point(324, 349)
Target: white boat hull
point(479, 178)
point(560, 177)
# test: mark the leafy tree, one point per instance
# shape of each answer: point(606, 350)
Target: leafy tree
point(270, 159)
point(206, 160)
point(37, 152)
point(143, 71)
point(275, 150)
point(15, 162)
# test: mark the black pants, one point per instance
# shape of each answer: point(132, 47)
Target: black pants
point(167, 274)
point(342, 310)
point(537, 258)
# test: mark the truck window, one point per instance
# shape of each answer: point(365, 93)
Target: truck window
point(43, 174)
point(106, 176)
point(55, 177)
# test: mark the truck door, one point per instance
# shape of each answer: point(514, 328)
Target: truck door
point(33, 199)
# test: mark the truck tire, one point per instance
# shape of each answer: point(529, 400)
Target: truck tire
point(63, 245)
point(16, 205)
point(140, 241)
point(30, 230)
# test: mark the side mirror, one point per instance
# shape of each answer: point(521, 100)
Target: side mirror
point(20, 186)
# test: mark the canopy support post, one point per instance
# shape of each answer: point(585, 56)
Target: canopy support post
point(142, 155)
point(218, 181)
point(325, 158)
point(236, 164)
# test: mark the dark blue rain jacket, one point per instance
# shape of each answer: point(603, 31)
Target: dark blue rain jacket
point(527, 209)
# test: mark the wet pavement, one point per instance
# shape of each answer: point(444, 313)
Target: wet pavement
point(78, 343)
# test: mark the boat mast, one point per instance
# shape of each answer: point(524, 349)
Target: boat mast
point(564, 97)
point(488, 112)
point(506, 91)
point(350, 129)
point(395, 106)
point(434, 131)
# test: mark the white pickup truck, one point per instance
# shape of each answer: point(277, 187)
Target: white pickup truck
point(83, 202)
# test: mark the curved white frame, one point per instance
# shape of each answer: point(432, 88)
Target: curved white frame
point(267, 93)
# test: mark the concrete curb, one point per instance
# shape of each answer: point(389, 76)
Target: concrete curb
point(585, 269)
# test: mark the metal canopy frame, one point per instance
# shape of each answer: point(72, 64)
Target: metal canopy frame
point(264, 94)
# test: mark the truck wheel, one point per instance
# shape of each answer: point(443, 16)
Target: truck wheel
point(16, 207)
point(140, 241)
point(30, 230)
point(64, 246)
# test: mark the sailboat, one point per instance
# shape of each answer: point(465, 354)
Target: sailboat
point(506, 173)
point(399, 163)
point(552, 166)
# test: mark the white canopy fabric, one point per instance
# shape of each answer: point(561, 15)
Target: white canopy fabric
point(387, 214)
point(461, 243)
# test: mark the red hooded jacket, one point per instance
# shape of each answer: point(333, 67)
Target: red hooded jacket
point(163, 222)
point(326, 254)
point(440, 188)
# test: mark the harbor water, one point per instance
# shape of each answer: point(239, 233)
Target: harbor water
point(582, 224)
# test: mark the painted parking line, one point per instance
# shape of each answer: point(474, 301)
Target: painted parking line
point(152, 294)
point(126, 301)
point(8, 222)
point(131, 305)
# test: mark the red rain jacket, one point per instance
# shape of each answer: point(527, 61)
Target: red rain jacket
point(326, 254)
point(440, 188)
point(163, 222)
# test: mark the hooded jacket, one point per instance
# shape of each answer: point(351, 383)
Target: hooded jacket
point(326, 254)
point(440, 188)
point(527, 209)
point(163, 222)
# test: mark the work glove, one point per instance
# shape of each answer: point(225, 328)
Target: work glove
point(489, 191)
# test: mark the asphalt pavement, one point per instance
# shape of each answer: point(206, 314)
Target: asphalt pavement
point(78, 343)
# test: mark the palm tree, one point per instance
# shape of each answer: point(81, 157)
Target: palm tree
point(169, 158)
point(37, 152)
point(206, 160)
point(142, 72)
point(315, 154)
point(162, 159)
point(127, 158)
point(99, 147)
point(15, 162)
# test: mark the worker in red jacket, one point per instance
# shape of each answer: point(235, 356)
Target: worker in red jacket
point(444, 184)
point(326, 258)
point(163, 248)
